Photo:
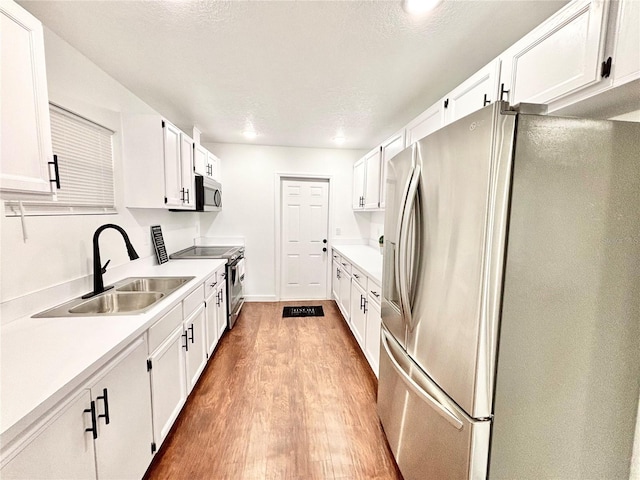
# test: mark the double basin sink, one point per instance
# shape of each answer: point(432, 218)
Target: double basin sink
point(130, 296)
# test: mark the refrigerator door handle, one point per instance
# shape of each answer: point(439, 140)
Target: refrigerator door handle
point(447, 414)
point(403, 246)
point(397, 257)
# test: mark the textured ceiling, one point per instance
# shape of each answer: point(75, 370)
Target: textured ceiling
point(298, 71)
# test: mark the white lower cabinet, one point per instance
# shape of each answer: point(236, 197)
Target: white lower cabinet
point(195, 346)
point(221, 304)
point(123, 408)
point(345, 293)
point(102, 431)
point(358, 318)
point(58, 448)
point(168, 383)
point(372, 336)
point(211, 312)
point(216, 310)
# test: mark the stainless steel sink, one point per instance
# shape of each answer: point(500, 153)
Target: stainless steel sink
point(153, 284)
point(130, 296)
point(113, 303)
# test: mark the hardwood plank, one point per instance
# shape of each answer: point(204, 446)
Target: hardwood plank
point(282, 398)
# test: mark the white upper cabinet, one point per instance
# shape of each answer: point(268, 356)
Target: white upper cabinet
point(391, 147)
point(206, 163)
point(561, 56)
point(26, 131)
point(427, 122)
point(366, 181)
point(158, 164)
point(626, 63)
point(358, 184)
point(477, 91)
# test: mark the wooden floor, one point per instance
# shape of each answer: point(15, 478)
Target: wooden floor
point(282, 398)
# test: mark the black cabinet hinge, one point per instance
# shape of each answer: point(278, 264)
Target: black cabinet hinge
point(149, 365)
point(446, 103)
point(153, 447)
point(605, 71)
point(162, 123)
point(165, 199)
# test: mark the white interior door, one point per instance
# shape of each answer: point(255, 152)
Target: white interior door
point(304, 224)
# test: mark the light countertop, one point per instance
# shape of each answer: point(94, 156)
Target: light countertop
point(364, 257)
point(45, 359)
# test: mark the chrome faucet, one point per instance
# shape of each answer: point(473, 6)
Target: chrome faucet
point(98, 269)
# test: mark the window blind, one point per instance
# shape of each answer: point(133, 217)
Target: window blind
point(85, 160)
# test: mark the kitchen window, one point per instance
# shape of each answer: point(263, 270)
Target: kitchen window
point(85, 160)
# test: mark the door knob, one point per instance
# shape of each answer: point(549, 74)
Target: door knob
point(324, 241)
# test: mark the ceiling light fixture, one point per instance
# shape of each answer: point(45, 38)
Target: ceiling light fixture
point(250, 134)
point(339, 139)
point(419, 7)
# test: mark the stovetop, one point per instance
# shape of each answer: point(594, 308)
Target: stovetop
point(227, 252)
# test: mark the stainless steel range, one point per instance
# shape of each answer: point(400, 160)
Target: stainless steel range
point(235, 272)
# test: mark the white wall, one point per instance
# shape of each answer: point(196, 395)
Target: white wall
point(59, 248)
point(249, 199)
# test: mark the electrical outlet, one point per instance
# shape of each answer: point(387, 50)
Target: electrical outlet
point(338, 231)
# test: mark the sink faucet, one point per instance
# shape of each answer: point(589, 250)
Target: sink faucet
point(98, 269)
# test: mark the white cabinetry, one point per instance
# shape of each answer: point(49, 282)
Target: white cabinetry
point(366, 181)
point(477, 91)
point(389, 148)
point(358, 319)
point(123, 409)
point(57, 448)
point(26, 131)
point(102, 431)
point(158, 164)
point(341, 284)
point(561, 56)
point(626, 64)
point(358, 184)
point(167, 369)
point(196, 346)
point(427, 122)
point(374, 319)
point(221, 304)
point(206, 163)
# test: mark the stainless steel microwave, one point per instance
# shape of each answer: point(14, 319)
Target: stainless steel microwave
point(208, 195)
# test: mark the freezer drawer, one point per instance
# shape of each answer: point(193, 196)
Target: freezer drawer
point(431, 437)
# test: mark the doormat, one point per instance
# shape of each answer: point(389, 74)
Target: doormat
point(303, 311)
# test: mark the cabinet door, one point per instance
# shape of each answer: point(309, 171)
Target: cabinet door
point(123, 399)
point(211, 311)
point(214, 166)
point(426, 123)
point(358, 184)
point(626, 58)
point(196, 358)
point(390, 148)
point(223, 318)
point(186, 172)
point(26, 131)
point(168, 383)
point(345, 293)
point(372, 179)
point(477, 91)
point(61, 448)
point(559, 57)
point(358, 313)
point(200, 160)
point(335, 280)
point(172, 168)
point(372, 336)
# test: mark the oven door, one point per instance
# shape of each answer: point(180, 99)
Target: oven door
point(235, 286)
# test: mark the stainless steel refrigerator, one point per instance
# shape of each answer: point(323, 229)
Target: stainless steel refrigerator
point(511, 306)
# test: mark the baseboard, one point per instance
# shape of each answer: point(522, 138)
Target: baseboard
point(260, 298)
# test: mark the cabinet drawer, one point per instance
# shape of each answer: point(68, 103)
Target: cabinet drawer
point(336, 256)
point(345, 266)
point(210, 284)
point(193, 301)
point(359, 277)
point(374, 291)
point(160, 330)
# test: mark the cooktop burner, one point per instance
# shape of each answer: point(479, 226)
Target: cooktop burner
point(228, 252)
